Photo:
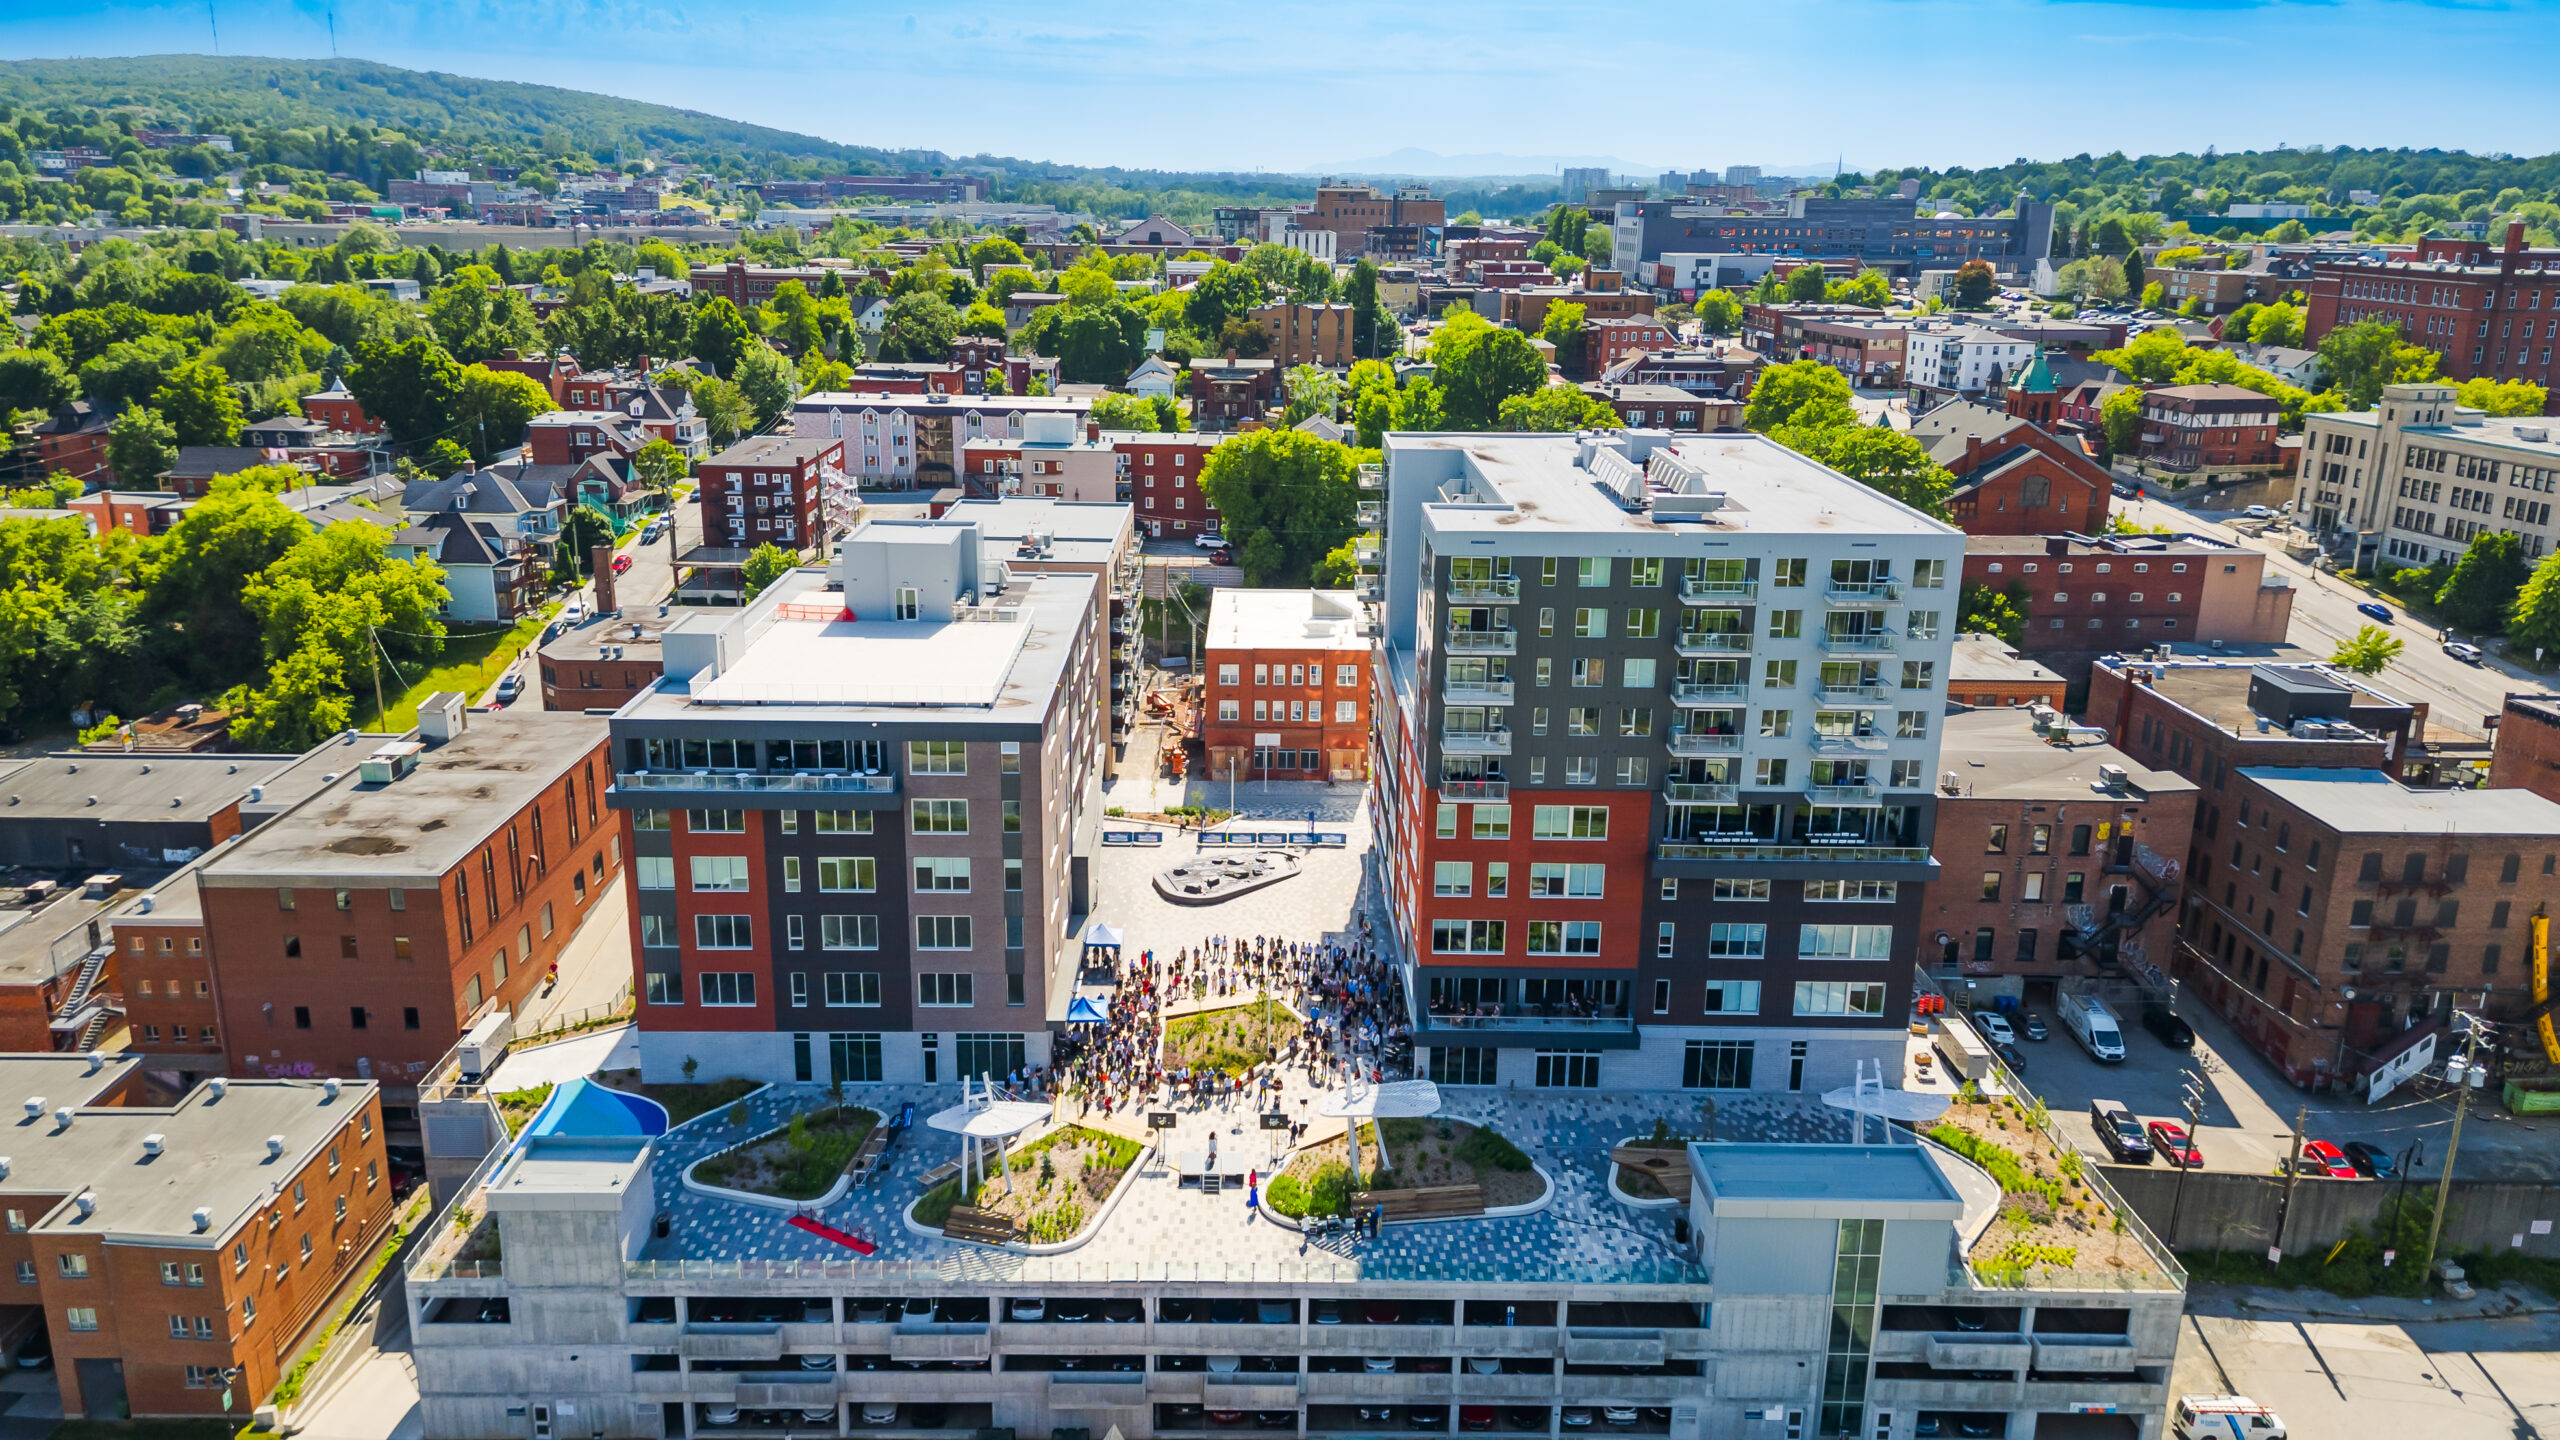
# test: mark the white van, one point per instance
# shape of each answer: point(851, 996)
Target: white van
point(2224, 1417)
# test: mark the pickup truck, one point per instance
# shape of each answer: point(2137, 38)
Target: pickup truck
point(2120, 1132)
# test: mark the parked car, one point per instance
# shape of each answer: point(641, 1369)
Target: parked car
point(1209, 540)
point(1475, 1417)
point(1276, 1312)
point(1427, 1417)
point(2320, 1159)
point(1378, 1365)
point(2009, 1056)
point(1328, 1312)
point(720, 1414)
point(510, 685)
point(621, 562)
point(2124, 491)
point(2171, 1140)
point(2169, 1030)
point(1994, 1027)
point(2033, 1025)
point(2120, 1132)
point(2371, 1161)
point(1028, 1310)
point(37, 1353)
point(2258, 512)
point(2375, 610)
point(2468, 654)
point(1483, 1365)
point(572, 613)
point(1618, 1414)
point(1576, 1417)
point(819, 1415)
point(1072, 1310)
point(1123, 1312)
point(1381, 1312)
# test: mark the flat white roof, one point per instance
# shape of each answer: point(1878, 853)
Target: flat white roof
point(873, 662)
point(1285, 620)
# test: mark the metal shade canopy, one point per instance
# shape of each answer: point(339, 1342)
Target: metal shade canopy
point(979, 1118)
point(1358, 1100)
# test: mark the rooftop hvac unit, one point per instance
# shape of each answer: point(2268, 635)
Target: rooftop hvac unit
point(155, 1143)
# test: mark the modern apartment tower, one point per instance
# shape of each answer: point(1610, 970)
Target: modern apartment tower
point(1657, 733)
point(860, 810)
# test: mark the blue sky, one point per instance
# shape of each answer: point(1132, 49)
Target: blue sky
point(1289, 85)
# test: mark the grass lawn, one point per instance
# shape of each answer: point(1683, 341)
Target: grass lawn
point(470, 664)
point(802, 1162)
point(1059, 1182)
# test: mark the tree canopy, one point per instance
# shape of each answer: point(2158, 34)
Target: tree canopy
point(1285, 498)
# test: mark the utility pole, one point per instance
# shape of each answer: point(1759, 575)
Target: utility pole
point(2467, 1073)
point(373, 662)
point(2292, 1177)
point(2195, 1113)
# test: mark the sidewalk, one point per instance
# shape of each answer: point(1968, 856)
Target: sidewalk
point(2267, 1302)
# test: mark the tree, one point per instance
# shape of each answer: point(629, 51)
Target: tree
point(197, 402)
point(410, 385)
point(1890, 462)
point(1718, 312)
point(129, 370)
point(2368, 651)
point(265, 344)
point(2277, 324)
point(1557, 407)
point(140, 447)
point(769, 383)
point(474, 322)
point(2535, 620)
point(2358, 360)
point(2120, 419)
point(1867, 287)
point(35, 380)
point(491, 409)
point(1312, 390)
point(1805, 283)
point(723, 408)
point(658, 467)
point(920, 327)
point(1784, 392)
point(1287, 496)
point(1337, 570)
point(1985, 611)
point(1124, 412)
point(1564, 329)
point(304, 702)
point(765, 564)
point(1975, 284)
point(720, 334)
point(1373, 330)
point(1095, 344)
point(2154, 295)
point(983, 319)
point(1478, 367)
point(2503, 397)
point(1227, 292)
point(581, 530)
point(2484, 582)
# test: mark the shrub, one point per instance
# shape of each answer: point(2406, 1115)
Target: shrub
point(937, 1204)
point(1487, 1150)
point(1286, 1196)
point(1329, 1190)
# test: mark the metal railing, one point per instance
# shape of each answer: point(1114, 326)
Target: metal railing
point(1851, 592)
point(1370, 512)
point(1499, 588)
point(1788, 850)
point(714, 783)
point(1686, 693)
point(1495, 741)
point(1853, 694)
point(1861, 794)
point(1683, 792)
point(1509, 1020)
point(1500, 640)
point(1711, 642)
point(1719, 592)
point(1476, 692)
point(1037, 1269)
point(1372, 477)
point(587, 1017)
point(1838, 744)
point(1684, 743)
point(1865, 642)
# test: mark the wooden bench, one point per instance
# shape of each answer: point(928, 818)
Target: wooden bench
point(948, 1169)
point(967, 1222)
point(1430, 1202)
point(1667, 1168)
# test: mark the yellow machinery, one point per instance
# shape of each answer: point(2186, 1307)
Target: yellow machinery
point(2542, 986)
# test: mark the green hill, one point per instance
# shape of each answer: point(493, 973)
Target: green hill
point(187, 90)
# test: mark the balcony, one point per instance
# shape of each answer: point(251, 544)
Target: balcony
point(1694, 643)
point(1685, 693)
point(1373, 477)
point(1866, 744)
point(1861, 697)
point(1500, 640)
point(1851, 850)
point(1862, 794)
point(1719, 592)
point(1501, 589)
point(1514, 1020)
point(1476, 692)
point(1364, 550)
point(1492, 741)
point(1453, 790)
point(1684, 743)
point(1372, 513)
point(704, 782)
point(1868, 592)
point(1867, 642)
point(1682, 792)
point(1369, 587)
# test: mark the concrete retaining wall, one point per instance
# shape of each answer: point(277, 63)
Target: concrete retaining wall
point(2239, 1212)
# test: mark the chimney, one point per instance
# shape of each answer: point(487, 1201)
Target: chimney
point(601, 559)
point(1231, 354)
point(2515, 237)
point(1093, 430)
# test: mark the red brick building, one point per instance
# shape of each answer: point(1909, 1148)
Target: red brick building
point(1308, 334)
point(568, 437)
point(743, 285)
point(1288, 686)
point(140, 512)
point(2484, 313)
point(1350, 211)
point(2526, 755)
point(1160, 475)
point(1226, 391)
point(982, 358)
point(768, 490)
point(73, 441)
point(2208, 430)
point(338, 410)
point(1665, 407)
point(1609, 341)
point(2012, 476)
point(1988, 673)
point(2085, 597)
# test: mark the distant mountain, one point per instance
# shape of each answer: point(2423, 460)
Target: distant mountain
point(1431, 164)
point(247, 90)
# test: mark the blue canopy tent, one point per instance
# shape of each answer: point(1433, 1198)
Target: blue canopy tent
point(1082, 1011)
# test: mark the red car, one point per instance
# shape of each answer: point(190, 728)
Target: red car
point(2170, 1139)
point(621, 563)
point(2322, 1159)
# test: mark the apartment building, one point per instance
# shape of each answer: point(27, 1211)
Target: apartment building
point(1705, 665)
point(1053, 456)
point(1845, 1301)
point(180, 1255)
point(1776, 329)
point(1607, 342)
point(899, 442)
point(1307, 334)
point(2086, 596)
point(1524, 308)
point(1962, 359)
point(2345, 907)
point(1160, 475)
point(860, 812)
point(1666, 407)
point(2416, 479)
point(2208, 431)
point(1722, 372)
point(1288, 686)
point(985, 366)
point(2061, 859)
point(2484, 312)
point(1226, 391)
point(1871, 353)
point(1036, 536)
point(435, 879)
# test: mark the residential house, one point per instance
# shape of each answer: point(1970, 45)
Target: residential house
point(491, 577)
point(2208, 431)
point(1154, 377)
point(1226, 391)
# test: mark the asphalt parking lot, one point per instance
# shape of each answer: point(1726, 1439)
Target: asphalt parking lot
point(2248, 1117)
point(2458, 1380)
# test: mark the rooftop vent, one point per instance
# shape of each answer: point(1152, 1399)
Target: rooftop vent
point(153, 1144)
point(86, 1202)
point(103, 884)
point(216, 1088)
point(329, 1089)
point(391, 762)
point(2111, 777)
point(35, 1107)
point(4, 1167)
point(63, 1116)
point(275, 1147)
point(203, 1218)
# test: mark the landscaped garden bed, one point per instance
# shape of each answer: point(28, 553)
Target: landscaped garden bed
point(1424, 1154)
point(801, 1161)
point(2053, 1223)
point(1060, 1182)
point(1233, 1038)
point(684, 1101)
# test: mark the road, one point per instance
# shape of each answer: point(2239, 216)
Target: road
point(2458, 696)
point(650, 579)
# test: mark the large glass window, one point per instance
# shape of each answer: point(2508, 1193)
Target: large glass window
point(1857, 1257)
point(1716, 1065)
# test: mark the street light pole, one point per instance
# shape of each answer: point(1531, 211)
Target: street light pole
point(2195, 1114)
point(2467, 1074)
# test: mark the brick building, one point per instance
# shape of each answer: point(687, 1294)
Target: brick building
point(744, 285)
point(769, 489)
point(1525, 309)
point(1868, 352)
point(334, 407)
point(362, 932)
point(1288, 686)
point(1160, 475)
point(983, 359)
point(2484, 313)
point(2526, 755)
point(2337, 909)
point(1053, 456)
point(2013, 476)
point(2061, 859)
point(1307, 334)
point(1226, 391)
point(1665, 407)
point(1989, 673)
point(2208, 430)
point(2086, 596)
point(1350, 211)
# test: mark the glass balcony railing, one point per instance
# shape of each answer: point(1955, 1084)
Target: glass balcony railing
point(713, 782)
point(1858, 794)
point(1858, 695)
point(1477, 692)
point(1862, 592)
point(1824, 744)
point(1476, 742)
point(1501, 640)
point(1684, 743)
point(1711, 642)
point(1491, 788)
point(1683, 792)
point(1501, 589)
point(1686, 693)
point(1719, 592)
point(1864, 642)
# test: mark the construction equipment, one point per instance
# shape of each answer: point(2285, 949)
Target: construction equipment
point(2542, 985)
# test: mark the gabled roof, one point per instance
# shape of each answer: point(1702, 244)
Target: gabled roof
point(450, 540)
point(1152, 366)
point(203, 462)
point(1946, 429)
point(516, 489)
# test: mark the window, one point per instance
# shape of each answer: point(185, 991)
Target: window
point(1570, 822)
point(1590, 674)
point(1739, 889)
point(1787, 574)
point(844, 822)
point(1928, 574)
point(1863, 891)
point(1582, 720)
point(1564, 937)
point(728, 987)
point(1466, 937)
point(938, 757)
point(849, 932)
point(1716, 1065)
point(1568, 1069)
point(941, 817)
point(719, 872)
point(81, 1318)
point(1591, 572)
point(715, 822)
point(657, 932)
point(945, 989)
point(1844, 942)
point(640, 820)
point(1733, 997)
point(1990, 884)
point(1590, 624)
point(1549, 880)
point(1786, 624)
point(723, 932)
point(1839, 997)
point(942, 932)
point(1774, 724)
point(1730, 941)
point(1452, 877)
point(1665, 946)
point(942, 874)
point(1490, 822)
point(1996, 841)
point(1446, 821)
